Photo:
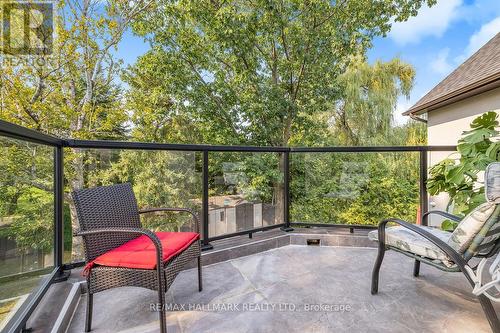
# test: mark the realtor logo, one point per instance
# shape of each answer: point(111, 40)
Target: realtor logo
point(27, 27)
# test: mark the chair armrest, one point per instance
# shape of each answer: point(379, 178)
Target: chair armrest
point(151, 235)
point(187, 210)
point(455, 256)
point(442, 213)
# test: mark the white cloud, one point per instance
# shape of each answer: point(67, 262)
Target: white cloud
point(431, 21)
point(479, 11)
point(401, 106)
point(441, 64)
point(481, 37)
point(478, 39)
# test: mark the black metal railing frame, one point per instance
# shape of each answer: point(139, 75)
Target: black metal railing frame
point(24, 134)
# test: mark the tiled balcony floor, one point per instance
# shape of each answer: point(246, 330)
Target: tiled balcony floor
point(293, 276)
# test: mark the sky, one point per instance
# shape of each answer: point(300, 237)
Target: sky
point(435, 42)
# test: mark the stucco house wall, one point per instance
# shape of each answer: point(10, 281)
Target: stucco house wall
point(445, 127)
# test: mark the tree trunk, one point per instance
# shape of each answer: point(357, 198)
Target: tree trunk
point(279, 187)
point(279, 193)
point(75, 184)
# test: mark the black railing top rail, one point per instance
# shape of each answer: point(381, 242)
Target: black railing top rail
point(107, 144)
point(369, 149)
point(20, 132)
point(23, 133)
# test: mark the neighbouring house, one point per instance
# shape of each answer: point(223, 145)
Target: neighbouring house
point(232, 213)
point(470, 90)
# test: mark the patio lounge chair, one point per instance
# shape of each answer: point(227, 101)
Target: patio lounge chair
point(476, 236)
point(118, 252)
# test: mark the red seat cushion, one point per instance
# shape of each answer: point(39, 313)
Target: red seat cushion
point(141, 252)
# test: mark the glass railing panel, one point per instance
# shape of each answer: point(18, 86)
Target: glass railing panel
point(246, 191)
point(354, 188)
point(26, 221)
point(159, 179)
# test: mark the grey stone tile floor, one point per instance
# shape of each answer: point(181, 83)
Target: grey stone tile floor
point(298, 289)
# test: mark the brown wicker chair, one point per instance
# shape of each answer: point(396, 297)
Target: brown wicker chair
point(109, 218)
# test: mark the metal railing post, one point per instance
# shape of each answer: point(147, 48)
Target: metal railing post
point(424, 199)
point(59, 213)
point(205, 243)
point(286, 191)
point(58, 206)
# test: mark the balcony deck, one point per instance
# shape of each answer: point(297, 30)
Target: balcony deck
point(296, 276)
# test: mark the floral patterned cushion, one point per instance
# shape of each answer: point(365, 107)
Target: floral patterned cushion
point(410, 241)
point(469, 227)
point(489, 233)
point(492, 182)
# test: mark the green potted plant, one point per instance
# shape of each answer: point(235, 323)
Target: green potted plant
point(458, 174)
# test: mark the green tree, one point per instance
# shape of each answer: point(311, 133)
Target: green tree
point(73, 92)
point(264, 72)
point(369, 93)
point(256, 71)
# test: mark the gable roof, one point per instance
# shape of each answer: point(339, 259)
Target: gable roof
point(479, 73)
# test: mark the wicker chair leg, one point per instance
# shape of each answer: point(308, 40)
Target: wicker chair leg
point(200, 282)
point(88, 315)
point(376, 267)
point(161, 312)
point(416, 268)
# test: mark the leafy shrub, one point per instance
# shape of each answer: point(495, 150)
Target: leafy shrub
point(354, 188)
point(458, 175)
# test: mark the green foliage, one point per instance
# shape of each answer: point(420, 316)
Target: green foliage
point(354, 188)
point(448, 225)
point(370, 92)
point(251, 174)
point(262, 72)
point(26, 208)
point(32, 228)
point(458, 175)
